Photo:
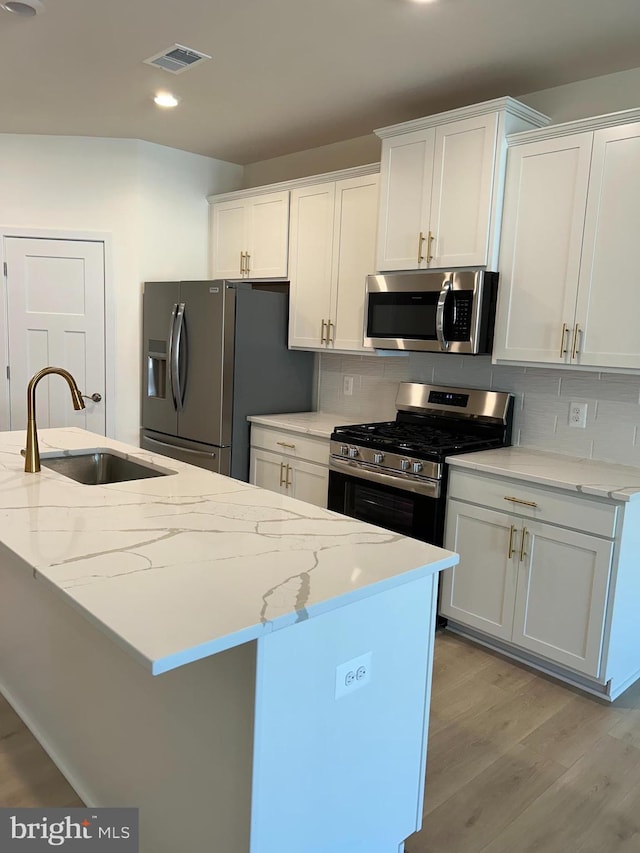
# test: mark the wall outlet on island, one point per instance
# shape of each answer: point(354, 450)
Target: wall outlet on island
point(353, 674)
point(578, 415)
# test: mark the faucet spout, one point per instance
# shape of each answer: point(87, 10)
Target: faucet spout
point(32, 452)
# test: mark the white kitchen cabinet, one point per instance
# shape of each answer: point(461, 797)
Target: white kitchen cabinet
point(546, 575)
point(249, 236)
point(332, 250)
point(290, 463)
point(441, 186)
point(567, 265)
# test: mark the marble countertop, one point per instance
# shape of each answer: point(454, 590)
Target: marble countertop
point(588, 476)
point(311, 423)
point(181, 567)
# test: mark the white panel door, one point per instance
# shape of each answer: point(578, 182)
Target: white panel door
point(354, 246)
point(480, 590)
point(405, 196)
point(543, 222)
point(462, 195)
point(227, 238)
point(562, 595)
point(267, 470)
point(55, 310)
point(309, 482)
point(268, 235)
point(310, 260)
point(609, 294)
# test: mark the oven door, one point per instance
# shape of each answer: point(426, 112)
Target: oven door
point(394, 508)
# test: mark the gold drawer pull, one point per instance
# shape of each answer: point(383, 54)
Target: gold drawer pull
point(518, 501)
point(421, 240)
point(511, 548)
point(329, 332)
point(523, 553)
point(282, 477)
point(578, 331)
point(289, 482)
point(285, 444)
point(563, 347)
point(430, 240)
point(323, 340)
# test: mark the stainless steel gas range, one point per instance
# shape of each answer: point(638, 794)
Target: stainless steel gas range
point(394, 474)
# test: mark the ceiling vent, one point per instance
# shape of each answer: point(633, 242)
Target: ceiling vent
point(177, 58)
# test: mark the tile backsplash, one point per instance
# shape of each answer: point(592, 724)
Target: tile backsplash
point(543, 396)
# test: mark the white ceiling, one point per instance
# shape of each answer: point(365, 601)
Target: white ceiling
point(287, 75)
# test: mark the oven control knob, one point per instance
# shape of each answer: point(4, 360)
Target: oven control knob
point(353, 452)
point(344, 450)
point(378, 457)
point(416, 467)
point(405, 464)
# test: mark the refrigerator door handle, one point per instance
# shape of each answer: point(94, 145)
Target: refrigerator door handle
point(172, 378)
point(210, 455)
point(175, 357)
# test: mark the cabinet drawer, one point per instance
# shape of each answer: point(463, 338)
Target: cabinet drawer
point(291, 444)
point(550, 505)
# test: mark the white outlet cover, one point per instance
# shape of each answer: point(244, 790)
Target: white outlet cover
point(353, 674)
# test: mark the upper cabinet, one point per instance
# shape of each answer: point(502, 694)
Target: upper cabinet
point(441, 186)
point(249, 235)
point(568, 270)
point(332, 250)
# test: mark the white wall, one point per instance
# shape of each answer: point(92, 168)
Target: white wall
point(542, 398)
point(606, 94)
point(151, 200)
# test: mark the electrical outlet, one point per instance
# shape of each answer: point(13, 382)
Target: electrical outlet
point(353, 674)
point(578, 415)
point(347, 385)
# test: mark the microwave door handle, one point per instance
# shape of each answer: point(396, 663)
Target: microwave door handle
point(442, 299)
point(175, 362)
point(172, 337)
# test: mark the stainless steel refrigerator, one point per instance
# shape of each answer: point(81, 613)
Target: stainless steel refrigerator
point(213, 353)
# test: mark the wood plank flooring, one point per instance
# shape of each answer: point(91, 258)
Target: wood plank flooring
point(517, 763)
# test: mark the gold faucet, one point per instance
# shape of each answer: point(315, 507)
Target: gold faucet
point(32, 453)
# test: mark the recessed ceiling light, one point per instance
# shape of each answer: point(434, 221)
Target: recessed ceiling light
point(24, 8)
point(166, 99)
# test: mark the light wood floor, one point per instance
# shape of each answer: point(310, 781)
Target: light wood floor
point(517, 763)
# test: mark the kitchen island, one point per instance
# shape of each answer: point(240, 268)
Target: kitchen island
point(251, 671)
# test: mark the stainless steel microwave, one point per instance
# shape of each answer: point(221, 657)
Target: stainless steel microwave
point(432, 311)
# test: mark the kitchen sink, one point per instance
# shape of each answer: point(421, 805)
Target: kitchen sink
point(98, 467)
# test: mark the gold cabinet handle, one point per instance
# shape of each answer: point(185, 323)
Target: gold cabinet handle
point(322, 333)
point(512, 531)
point(430, 240)
point(247, 266)
point(241, 263)
point(288, 482)
point(519, 501)
point(421, 239)
point(523, 553)
point(282, 478)
point(284, 444)
point(330, 326)
point(563, 348)
point(574, 349)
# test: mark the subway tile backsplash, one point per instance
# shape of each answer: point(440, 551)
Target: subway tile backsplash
point(542, 398)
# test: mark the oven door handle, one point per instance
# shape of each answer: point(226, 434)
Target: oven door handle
point(442, 300)
point(427, 488)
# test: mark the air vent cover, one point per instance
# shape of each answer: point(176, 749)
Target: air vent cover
point(177, 58)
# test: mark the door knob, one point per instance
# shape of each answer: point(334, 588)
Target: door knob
point(95, 397)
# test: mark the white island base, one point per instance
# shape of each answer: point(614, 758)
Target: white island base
point(245, 751)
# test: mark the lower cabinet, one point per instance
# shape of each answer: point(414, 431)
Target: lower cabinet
point(536, 585)
point(290, 463)
point(546, 575)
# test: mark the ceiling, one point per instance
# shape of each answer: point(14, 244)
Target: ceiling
point(288, 75)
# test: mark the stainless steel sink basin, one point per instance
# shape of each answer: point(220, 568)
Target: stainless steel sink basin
point(98, 467)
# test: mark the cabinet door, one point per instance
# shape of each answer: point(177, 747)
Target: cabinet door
point(609, 295)
point(228, 226)
point(562, 595)
point(267, 235)
point(310, 257)
point(543, 220)
point(480, 590)
point(267, 470)
point(308, 482)
point(354, 246)
point(405, 196)
point(462, 197)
